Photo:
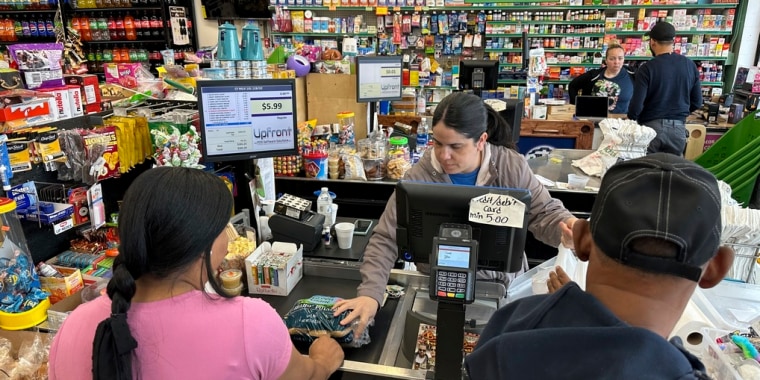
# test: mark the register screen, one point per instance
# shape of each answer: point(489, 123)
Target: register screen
point(247, 121)
point(454, 256)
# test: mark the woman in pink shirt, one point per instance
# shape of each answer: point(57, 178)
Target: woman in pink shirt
point(157, 322)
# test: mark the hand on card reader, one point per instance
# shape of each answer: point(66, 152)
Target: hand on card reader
point(454, 261)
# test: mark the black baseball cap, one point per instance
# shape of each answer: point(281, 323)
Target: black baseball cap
point(662, 31)
point(660, 196)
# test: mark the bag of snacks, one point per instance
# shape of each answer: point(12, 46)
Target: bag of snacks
point(313, 317)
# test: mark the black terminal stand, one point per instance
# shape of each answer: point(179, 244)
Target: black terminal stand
point(450, 335)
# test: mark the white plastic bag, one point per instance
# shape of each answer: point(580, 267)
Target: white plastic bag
point(574, 267)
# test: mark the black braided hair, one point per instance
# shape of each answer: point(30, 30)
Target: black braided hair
point(169, 219)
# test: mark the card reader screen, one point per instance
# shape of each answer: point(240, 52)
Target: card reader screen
point(454, 256)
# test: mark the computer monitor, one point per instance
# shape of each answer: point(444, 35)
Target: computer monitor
point(421, 208)
point(478, 75)
point(248, 118)
point(593, 108)
point(378, 78)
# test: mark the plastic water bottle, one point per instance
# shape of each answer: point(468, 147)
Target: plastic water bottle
point(423, 136)
point(324, 206)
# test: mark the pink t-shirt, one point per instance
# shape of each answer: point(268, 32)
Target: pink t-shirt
point(191, 336)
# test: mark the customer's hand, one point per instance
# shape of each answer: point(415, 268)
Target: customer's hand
point(362, 308)
point(327, 353)
point(566, 227)
point(557, 279)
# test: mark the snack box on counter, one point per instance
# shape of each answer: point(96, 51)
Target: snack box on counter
point(274, 269)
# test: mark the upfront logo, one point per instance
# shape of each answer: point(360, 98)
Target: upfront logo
point(269, 133)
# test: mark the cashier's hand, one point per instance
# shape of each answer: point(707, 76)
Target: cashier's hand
point(566, 227)
point(557, 279)
point(362, 308)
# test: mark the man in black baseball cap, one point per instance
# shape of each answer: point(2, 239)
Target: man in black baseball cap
point(654, 235)
point(666, 90)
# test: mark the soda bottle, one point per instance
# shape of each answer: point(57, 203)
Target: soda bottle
point(111, 25)
point(107, 54)
point(129, 27)
point(145, 25)
point(84, 28)
point(103, 27)
point(124, 53)
point(98, 60)
point(121, 34)
point(33, 28)
point(50, 28)
point(155, 25)
point(3, 33)
point(94, 31)
point(25, 30)
point(18, 29)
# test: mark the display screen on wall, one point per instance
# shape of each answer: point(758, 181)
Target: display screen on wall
point(378, 78)
point(246, 119)
point(232, 9)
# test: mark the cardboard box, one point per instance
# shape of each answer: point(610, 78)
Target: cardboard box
point(279, 279)
point(25, 110)
point(75, 100)
point(62, 102)
point(90, 90)
point(58, 312)
point(61, 287)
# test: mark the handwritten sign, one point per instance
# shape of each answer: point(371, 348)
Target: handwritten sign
point(497, 210)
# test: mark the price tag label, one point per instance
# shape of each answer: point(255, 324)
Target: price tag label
point(417, 8)
point(497, 210)
point(63, 226)
point(381, 11)
point(332, 7)
point(270, 106)
point(397, 9)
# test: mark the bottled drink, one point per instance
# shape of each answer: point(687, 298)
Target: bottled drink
point(121, 34)
point(107, 54)
point(103, 27)
point(423, 136)
point(133, 57)
point(129, 27)
point(18, 29)
point(421, 102)
point(33, 28)
point(156, 25)
point(94, 31)
point(111, 25)
point(124, 54)
point(324, 206)
point(50, 28)
point(25, 30)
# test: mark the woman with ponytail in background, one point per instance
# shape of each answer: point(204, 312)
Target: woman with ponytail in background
point(157, 321)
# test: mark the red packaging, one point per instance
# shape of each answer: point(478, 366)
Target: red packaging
point(61, 101)
point(75, 97)
point(101, 142)
point(90, 90)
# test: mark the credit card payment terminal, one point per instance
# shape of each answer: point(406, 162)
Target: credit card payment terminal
point(453, 262)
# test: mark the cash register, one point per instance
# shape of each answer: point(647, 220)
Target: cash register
point(458, 230)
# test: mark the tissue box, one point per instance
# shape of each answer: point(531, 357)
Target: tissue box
point(277, 275)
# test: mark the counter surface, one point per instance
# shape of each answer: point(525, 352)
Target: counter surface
point(558, 172)
point(312, 285)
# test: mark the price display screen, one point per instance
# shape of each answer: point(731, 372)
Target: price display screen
point(378, 78)
point(453, 256)
point(244, 119)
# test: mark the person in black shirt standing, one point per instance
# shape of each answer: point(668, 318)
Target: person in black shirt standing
point(666, 90)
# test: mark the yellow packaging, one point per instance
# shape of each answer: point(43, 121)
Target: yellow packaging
point(60, 287)
point(18, 153)
point(49, 148)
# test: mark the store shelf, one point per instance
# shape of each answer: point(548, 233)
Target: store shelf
point(503, 50)
point(678, 33)
point(506, 35)
point(646, 58)
point(156, 8)
point(510, 65)
point(508, 7)
point(25, 11)
point(287, 34)
point(433, 87)
point(552, 35)
point(551, 22)
point(568, 64)
point(557, 50)
point(711, 83)
point(142, 41)
point(29, 41)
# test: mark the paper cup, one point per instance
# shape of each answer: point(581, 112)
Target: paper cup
point(345, 233)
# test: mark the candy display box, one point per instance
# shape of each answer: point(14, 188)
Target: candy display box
point(274, 269)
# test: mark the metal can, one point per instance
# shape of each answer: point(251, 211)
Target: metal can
point(230, 73)
point(243, 64)
point(215, 64)
point(228, 64)
point(243, 73)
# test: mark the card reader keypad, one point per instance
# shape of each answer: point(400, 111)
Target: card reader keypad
point(451, 284)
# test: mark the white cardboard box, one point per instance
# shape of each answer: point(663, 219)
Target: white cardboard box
point(286, 277)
